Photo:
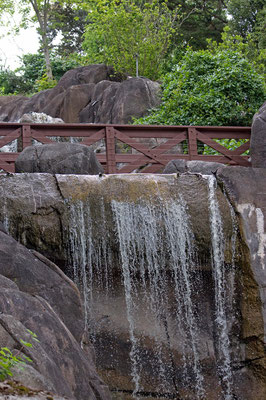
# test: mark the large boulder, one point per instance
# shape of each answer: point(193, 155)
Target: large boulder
point(36, 296)
point(59, 158)
point(117, 103)
point(196, 167)
point(258, 139)
point(92, 93)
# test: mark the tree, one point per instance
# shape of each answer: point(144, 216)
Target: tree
point(201, 19)
point(122, 31)
point(245, 15)
point(68, 22)
point(207, 88)
point(42, 11)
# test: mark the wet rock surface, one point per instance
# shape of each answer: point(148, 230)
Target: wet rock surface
point(91, 203)
point(41, 299)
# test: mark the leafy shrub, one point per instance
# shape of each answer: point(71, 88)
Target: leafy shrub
point(12, 83)
point(45, 83)
point(208, 88)
point(9, 359)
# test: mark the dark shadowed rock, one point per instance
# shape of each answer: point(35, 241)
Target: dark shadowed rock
point(59, 158)
point(2, 228)
point(92, 94)
point(134, 98)
point(203, 167)
point(99, 109)
point(258, 139)
point(197, 167)
point(175, 166)
point(35, 296)
point(118, 102)
point(75, 99)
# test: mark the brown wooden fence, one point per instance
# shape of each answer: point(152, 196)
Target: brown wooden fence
point(128, 148)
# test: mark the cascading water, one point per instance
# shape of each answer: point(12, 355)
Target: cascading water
point(145, 250)
point(218, 249)
point(154, 250)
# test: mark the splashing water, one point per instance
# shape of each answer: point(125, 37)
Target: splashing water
point(156, 252)
point(140, 238)
point(224, 361)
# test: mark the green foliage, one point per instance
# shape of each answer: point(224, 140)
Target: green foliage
point(68, 22)
point(246, 15)
point(45, 83)
point(11, 83)
point(208, 88)
point(33, 66)
point(31, 76)
point(9, 359)
point(200, 20)
point(245, 47)
point(120, 31)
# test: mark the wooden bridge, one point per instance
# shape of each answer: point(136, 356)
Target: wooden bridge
point(128, 148)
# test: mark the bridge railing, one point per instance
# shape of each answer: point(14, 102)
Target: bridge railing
point(128, 148)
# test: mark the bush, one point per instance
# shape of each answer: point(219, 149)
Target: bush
point(208, 88)
point(11, 83)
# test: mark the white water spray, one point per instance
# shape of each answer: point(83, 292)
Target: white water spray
point(223, 345)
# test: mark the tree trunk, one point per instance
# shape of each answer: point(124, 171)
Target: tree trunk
point(46, 53)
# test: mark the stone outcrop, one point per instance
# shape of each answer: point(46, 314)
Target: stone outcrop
point(258, 139)
point(200, 167)
point(59, 158)
point(42, 202)
point(91, 94)
point(36, 296)
point(43, 211)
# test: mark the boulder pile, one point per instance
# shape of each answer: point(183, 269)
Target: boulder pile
point(90, 94)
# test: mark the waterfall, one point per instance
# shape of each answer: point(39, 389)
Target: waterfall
point(218, 249)
point(151, 243)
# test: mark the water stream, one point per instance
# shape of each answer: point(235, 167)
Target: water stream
point(221, 321)
point(157, 258)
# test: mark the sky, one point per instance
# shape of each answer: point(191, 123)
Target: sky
point(13, 46)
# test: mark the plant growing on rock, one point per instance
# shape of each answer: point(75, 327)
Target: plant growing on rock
point(9, 359)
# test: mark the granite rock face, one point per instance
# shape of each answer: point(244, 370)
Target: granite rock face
point(91, 94)
point(258, 139)
point(35, 295)
point(59, 158)
point(45, 211)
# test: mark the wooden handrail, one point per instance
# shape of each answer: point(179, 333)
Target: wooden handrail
point(128, 148)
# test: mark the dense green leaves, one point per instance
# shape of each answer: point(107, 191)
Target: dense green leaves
point(31, 76)
point(122, 32)
point(208, 88)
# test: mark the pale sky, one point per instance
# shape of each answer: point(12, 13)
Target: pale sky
point(13, 46)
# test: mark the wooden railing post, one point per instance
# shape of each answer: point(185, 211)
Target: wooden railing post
point(26, 136)
point(192, 143)
point(110, 150)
